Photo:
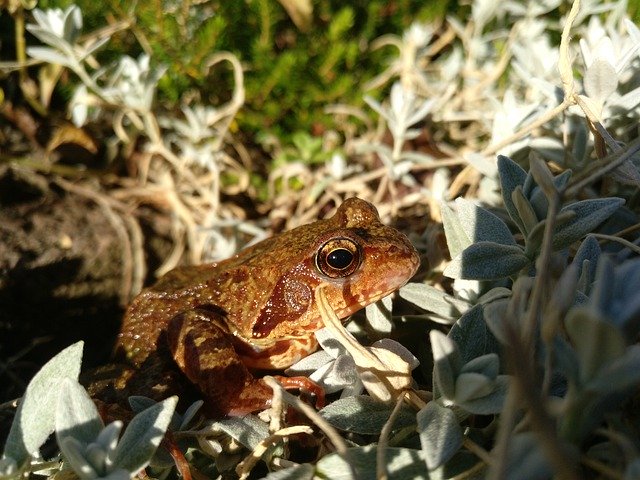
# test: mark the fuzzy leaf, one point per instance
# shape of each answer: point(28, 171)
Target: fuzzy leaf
point(600, 80)
point(447, 363)
point(440, 434)
point(472, 335)
point(471, 385)
point(35, 418)
point(596, 341)
point(457, 238)
point(364, 415)
point(399, 463)
point(379, 315)
point(511, 176)
point(76, 414)
point(248, 430)
point(586, 259)
point(481, 225)
point(525, 460)
point(487, 261)
point(143, 435)
point(589, 214)
point(489, 404)
point(433, 300)
point(487, 365)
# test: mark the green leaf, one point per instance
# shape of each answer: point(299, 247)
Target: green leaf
point(433, 300)
point(511, 176)
point(440, 434)
point(487, 365)
point(447, 364)
point(248, 430)
point(589, 214)
point(399, 463)
point(487, 261)
point(379, 315)
point(596, 341)
point(480, 225)
point(76, 414)
point(143, 435)
point(586, 259)
point(471, 385)
point(364, 415)
point(489, 404)
point(35, 418)
point(525, 460)
point(600, 80)
point(472, 335)
point(457, 238)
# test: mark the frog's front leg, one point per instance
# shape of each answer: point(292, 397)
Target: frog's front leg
point(203, 350)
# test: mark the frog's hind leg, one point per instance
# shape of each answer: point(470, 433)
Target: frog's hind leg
point(203, 350)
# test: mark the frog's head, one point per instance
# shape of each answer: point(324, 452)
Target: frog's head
point(357, 257)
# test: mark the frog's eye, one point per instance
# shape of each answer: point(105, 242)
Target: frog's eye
point(339, 257)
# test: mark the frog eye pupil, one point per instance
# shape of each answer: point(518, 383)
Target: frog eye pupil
point(340, 258)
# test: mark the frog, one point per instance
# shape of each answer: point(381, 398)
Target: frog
point(219, 326)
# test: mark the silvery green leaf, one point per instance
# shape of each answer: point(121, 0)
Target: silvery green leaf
point(487, 261)
point(619, 375)
point(329, 343)
point(337, 375)
point(304, 471)
point(49, 55)
point(457, 238)
point(49, 38)
point(35, 417)
point(480, 225)
point(143, 435)
point(525, 460)
point(447, 363)
point(527, 217)
point(567, 360)
point(539, 200)
point(489, 404)
point(600, 80)
point(310, 363)
point(248, 430)
point(190, 414)
point(379, 315)
point(615, 294)
point(74, 453)
point(543, 177)
point(472, 335)
point(399, 462)
point(433, 300)
point(579, 150)
point(364, 415)
point(586, 259)
point(589, 214)
point(72, 23)
point(495, 316)
point(511, 176)
point(596, 341)
point(471, 385)
point(76, 414)
point(487, 365)
point(139, 403)
point(440, 434)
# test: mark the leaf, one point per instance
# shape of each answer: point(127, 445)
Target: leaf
point(304, 471)
point(457, 238)
point(480, 225)
point(525, 460)
point(399, 463)
point(471, 385)
point(143, 435)
point(589, 214)
point(76, 414)
point(487, 365)
point(364, 415)
point(35, 418)
point(586, 259)
point(248, 430)
point(619, 375)
point(472, 335)
point(379, 315)
point(440, 434)
point(511, 175)
point(487, 261)
point(489, 404)
point(433, 300)
point(596, 341)
point(447, 363)
point(600, 80)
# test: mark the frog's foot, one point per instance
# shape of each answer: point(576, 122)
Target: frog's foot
point(305, 385)
point(203, 350)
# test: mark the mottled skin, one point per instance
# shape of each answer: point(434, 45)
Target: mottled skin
point(256, 311)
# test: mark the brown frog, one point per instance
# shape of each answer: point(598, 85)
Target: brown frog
point(256, 311)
